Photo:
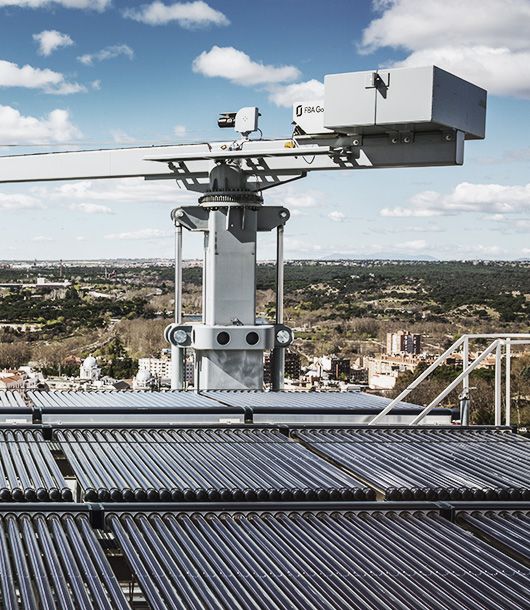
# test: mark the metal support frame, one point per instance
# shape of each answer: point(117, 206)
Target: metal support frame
point(499, 342)
point(508, 372)
point(229, 344)
point(231, 175)
point(498, 371)
point(278, 353)
point(177, 353)
point(455, 383)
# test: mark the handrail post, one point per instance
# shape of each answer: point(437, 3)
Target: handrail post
point(508, 371)
point(465, 364)
point(278, 353)
point(498, 383)
point(177, 353)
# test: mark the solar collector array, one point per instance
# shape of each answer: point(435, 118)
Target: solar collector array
point(509, 529)
point(10, 399)
point(124, 400)
point(325, 561)
point(429, 464)
point(28, 470)
point(48, 561)
point(204, 464)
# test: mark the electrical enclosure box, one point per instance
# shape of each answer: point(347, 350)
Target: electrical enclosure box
point(403, 99)
point(246, 120)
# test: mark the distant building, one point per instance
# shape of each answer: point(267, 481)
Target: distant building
point(144, 380)
point(32, 379)
point(11, 380)
point(403, 342)
point(384, 370)
point(293, 366)
point(89, 370)
point(157, 367)
point(359, 375)
point(340, 369)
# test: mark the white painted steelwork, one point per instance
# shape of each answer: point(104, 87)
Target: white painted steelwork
point(499, 342)
point(394, 118)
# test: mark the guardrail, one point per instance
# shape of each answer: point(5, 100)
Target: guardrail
point(501, 345)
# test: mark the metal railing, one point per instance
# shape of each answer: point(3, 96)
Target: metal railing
point(501, 345)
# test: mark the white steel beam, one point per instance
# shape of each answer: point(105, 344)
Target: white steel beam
point(266, 162)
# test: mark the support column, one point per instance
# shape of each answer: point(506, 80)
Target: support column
point(177, 353)
point(230, 286)
point(228, 345)
point(278, 353)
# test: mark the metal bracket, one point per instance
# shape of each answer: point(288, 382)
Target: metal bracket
point(193, 217)
point(378, 82)
point(271, 217)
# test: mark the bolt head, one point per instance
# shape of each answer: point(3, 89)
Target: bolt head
point(283, 336)
point(180, 336)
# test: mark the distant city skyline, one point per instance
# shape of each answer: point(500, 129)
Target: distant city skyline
point(96, 73)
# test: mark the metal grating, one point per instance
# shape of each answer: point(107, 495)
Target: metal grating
point(206, 464)
point(455, 464)
point(10, 399)
point(51, 561)
point(28, 471)
point(329, 561)
point(506, 529)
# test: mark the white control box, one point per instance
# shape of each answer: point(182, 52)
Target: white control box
point(403, 99)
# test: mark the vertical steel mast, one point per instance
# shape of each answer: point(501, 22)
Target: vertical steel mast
point(229, 345)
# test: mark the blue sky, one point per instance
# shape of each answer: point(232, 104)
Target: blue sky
point(95, 73)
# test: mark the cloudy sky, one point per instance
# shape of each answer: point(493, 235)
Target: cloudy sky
point(96, 73)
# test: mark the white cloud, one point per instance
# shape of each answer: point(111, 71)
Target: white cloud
point(239, 68)
point(300, 200)
point(91, 208)
point(41, 238)
point(476, 250)
point(126, 190)
point(508, 224)
point(295, 246)
point(337, 216)
point(186, 14)
point(399, 212)
point(49, 81)
point(95, 5)
point(288, 95)
point(412, 246)
point(500, 70)
point(121, 137)
point(180, 131)
point(140, 234)
point(56, 127)
point(526, 251)
point(467, 197)
point(111, 52)
point(17, 201)
point(51, 40)
point(484, 41)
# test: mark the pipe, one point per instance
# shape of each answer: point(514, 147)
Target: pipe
point(278, 353)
